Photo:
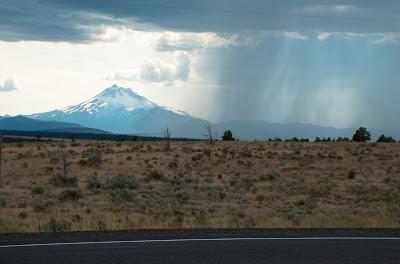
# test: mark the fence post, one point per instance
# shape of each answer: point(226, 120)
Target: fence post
point(1, 145)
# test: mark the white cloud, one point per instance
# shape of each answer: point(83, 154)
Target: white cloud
point(187, 41)
point(207, 40)
point(123, 75)
point(327, 9)
point(293, 35)
point(324, 36)
point(204, 40)
point(156, 70)
point(8, 86)
point(108, 33)
point(388, 38)
point(375, 38)
point(172, 41)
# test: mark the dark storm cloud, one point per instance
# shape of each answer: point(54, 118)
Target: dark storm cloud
point(342, 83)
point(65, 20)
point(345, 77)
point(37, 20)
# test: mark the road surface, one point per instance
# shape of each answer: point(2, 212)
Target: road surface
point(205, 246)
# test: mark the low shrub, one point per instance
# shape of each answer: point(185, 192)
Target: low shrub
point(37, 189)
point(351, 174)
point(155, 175)
point(268, 177)
point(22, 204)
point(71, 194)
point(123, 195)
point(54, 159)
point(221, 195)
point(197, 157)
point(93, 183)
point(76, 218)
point(297, 211)
point(49, 169)
point(182, 196)
point(61, 179)
point(260, 197)
point(56, 225)
point(94, 160)
point(75, 144)
point(9, 226)
point(248, 182)
point(41, 206)
point(308, 204)
point(207, 152)
point(23, 215)
point(173, 164)
point(3, 200)
point(120, 182)
point(245, 152)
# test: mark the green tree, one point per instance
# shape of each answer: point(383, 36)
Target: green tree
point(361, 135)
point(385, 139)
point(228, 135)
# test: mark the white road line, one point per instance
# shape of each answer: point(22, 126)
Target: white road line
point(194, 240)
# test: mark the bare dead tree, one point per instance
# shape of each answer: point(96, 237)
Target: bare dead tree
point(167, 136)
point(62, 158)
point(65, 163)
point(210, 134)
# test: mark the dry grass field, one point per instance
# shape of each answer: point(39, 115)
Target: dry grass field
point(132, 185)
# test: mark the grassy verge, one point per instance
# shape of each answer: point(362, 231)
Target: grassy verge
point(89, 185)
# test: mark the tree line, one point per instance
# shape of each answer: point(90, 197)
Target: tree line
point(360, 135)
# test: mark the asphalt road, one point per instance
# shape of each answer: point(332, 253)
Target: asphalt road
point(204, 247)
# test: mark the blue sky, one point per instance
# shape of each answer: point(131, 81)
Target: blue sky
point(331, 63)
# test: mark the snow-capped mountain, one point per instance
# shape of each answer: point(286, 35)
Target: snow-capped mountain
point(113, 97)
point(119, 110)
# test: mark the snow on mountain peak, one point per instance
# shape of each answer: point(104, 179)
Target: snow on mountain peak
point(112, 97)
point(115, 90)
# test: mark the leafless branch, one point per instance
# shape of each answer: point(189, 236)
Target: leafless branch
point(167, 136)
point(209, 134)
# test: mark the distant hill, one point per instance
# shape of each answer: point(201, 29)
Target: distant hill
point(80, 130)
point(262, 130)
point(22, 123)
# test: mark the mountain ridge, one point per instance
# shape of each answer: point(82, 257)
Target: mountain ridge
point(22, 123)
point(123, 111)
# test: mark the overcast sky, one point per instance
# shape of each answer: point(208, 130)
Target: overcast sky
point(331, 63)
